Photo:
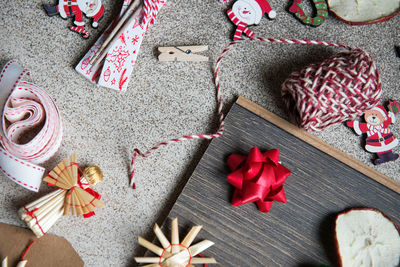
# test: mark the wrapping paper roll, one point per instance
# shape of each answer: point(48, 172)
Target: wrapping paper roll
point(115, 70)
point(26, 107)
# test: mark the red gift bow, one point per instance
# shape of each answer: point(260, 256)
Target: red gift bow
point(257, 177)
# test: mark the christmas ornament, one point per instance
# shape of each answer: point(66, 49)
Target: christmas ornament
point(394, 106)
point(115, 70)
point(367, 237)
point(361, 12)
point(26, 110)
point(316, 97)
point(76, 8)
point(74, 197)
point(320, 6)
point(175, 253)
point(380, 139)
point(258, 177)
point(248, 12)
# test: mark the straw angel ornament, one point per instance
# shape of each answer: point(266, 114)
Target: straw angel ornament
point(73, 196)
point(175, 253)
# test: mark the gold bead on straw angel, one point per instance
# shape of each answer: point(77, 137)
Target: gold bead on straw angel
point(175, 253)
point(73, 196)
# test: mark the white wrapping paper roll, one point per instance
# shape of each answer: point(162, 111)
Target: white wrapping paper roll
point(116, 69)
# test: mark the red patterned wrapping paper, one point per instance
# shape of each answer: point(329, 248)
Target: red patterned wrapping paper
point(115, 70)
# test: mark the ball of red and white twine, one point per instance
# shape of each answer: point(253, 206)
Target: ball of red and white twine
point(340, 88)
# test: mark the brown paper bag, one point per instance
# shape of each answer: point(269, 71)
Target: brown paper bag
point(48, 251)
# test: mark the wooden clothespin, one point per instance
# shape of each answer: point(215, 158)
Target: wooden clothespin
point(182, 53)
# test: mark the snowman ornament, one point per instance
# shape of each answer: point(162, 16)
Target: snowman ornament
point(248, 12)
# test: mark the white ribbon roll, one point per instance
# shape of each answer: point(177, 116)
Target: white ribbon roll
point(26, 109)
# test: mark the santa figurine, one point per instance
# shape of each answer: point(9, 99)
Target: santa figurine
point(248, 12)
point(69, 8)
point(380, 139)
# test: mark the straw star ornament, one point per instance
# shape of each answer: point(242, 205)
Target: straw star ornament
point(175, 253)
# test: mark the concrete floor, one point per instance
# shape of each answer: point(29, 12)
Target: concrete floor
point(165, 100)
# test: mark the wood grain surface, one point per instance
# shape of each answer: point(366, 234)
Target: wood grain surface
point(297, 233)
point(318, 143)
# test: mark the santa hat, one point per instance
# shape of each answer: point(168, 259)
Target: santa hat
point(97, 17)
point(381, 110)
point(261, 7)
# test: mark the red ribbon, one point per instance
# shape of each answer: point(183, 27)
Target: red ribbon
point(257, 177)
point(84, 187)
point(90, 191)
point(32, 214)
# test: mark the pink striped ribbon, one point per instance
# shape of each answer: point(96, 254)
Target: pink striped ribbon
point(220, 130)
point(26, 107)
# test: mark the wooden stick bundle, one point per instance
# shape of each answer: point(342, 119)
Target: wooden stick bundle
point(130, 14)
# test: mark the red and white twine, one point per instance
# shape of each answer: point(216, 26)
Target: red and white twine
point(340, 88)
point(151, 8)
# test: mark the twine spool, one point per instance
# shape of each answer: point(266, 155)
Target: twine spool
point(340, 88)
point(93, 174)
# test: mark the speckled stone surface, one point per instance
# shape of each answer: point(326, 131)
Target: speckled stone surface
point(165, 100)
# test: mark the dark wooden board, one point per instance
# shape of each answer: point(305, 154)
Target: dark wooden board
point(297, 233)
